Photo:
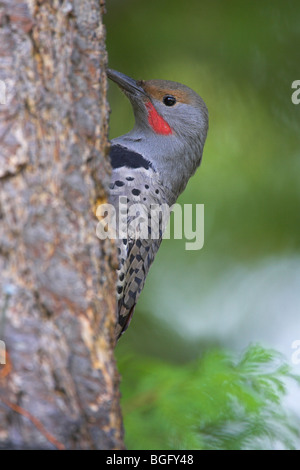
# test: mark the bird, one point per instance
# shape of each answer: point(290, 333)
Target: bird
point(151, 166)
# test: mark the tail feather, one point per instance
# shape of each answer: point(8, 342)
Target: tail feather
point(124, 319)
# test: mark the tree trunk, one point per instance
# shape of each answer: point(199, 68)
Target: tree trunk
point(59, 386)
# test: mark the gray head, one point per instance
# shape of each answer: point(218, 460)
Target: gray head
point(171, 123)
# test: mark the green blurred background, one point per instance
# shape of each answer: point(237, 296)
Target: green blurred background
point(243, 286)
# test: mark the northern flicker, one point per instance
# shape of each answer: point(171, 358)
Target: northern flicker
point(151, 166)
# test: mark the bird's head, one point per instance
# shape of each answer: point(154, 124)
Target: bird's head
point(171, 123)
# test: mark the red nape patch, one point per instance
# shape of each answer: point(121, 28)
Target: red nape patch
point(158, 124)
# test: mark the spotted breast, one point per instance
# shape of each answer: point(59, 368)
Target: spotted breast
point(141, 210)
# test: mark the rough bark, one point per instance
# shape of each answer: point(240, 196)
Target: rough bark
point(59, 386)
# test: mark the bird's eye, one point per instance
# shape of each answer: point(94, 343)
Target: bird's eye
point(169, 100)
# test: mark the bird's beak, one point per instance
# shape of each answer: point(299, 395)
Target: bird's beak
point(127, 84)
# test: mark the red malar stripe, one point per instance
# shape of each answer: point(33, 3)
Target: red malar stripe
point(158, 124)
